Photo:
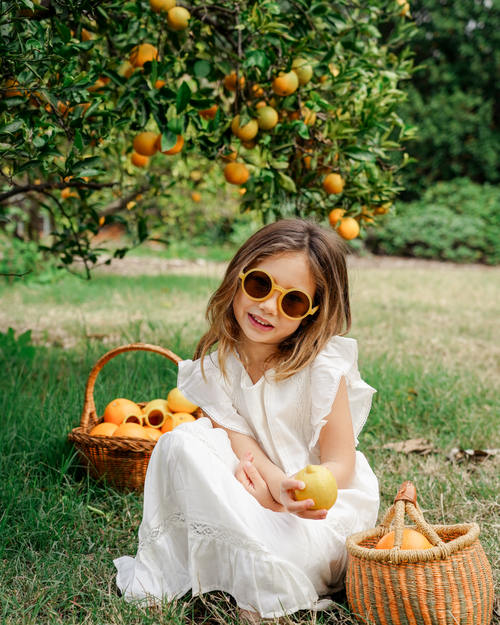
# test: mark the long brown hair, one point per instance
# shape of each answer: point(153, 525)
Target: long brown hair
point(327, 253)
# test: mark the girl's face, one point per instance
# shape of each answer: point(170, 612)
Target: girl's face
point(263, 322)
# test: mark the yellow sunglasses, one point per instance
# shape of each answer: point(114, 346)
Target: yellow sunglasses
point(259, 285)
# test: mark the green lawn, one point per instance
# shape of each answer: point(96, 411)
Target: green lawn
point(428, 341)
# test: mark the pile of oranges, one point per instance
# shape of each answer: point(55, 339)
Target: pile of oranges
point(125, 418)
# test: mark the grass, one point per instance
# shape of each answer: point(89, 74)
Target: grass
point(428, 342)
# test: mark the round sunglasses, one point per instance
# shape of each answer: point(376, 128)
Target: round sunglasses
point(259, 285)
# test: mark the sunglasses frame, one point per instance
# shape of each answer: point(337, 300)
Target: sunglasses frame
point(276, 287)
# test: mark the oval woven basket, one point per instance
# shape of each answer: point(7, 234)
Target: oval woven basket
point(449, 584)
point(121, 462)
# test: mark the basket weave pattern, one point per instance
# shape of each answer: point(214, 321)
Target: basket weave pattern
point(449, 584)
point(121, 461)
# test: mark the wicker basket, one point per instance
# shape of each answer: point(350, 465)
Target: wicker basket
point(449, 584)
point(121, 462)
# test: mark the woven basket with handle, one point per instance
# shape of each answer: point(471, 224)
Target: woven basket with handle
point(449, 584)
point(122, 462)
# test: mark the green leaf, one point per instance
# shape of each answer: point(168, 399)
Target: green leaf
point(183, 97)
point(175, 125)
point(304, 131)
point(78, 141)
point(34, 163)
point(85, 164)
point(202, 69)
point(358, 154)
point(286, 182)
point(90, 172)
point(12, 127)
point(168, 140)
point(257, 58)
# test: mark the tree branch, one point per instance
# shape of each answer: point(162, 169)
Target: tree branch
point(118, 205)
point(53, 185)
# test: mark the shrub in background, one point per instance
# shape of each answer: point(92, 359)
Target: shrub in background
point(454, 98)
point(457, 221)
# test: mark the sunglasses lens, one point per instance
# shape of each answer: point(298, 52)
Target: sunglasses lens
point(258, 285)
point(295, 304)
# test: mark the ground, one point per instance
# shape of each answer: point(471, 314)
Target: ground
point(428, 340)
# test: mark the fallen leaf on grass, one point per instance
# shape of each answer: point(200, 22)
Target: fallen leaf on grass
point(457, 454)
point(420, 446)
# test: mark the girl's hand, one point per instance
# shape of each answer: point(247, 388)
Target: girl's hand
point(300, 508)
point(247, 474)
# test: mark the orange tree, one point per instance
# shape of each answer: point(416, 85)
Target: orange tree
point(294, 99)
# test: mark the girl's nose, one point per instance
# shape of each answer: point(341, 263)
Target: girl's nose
point(270, 306)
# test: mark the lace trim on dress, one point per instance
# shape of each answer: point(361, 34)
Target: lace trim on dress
point(228, 537)
point(177, 519)
point(205, 531)
point(197, 432)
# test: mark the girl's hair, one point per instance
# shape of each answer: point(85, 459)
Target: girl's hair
point(327, 253)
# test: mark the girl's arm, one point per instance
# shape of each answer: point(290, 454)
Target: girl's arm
point(337, 451)
point(241, 444)
point(261, 477)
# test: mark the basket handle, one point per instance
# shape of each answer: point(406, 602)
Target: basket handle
point(89, 415)
point(406, 502)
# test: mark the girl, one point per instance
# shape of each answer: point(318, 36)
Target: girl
point(281, 391)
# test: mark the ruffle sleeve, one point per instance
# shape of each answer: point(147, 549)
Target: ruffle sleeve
point(339, 358)
point(211, 395)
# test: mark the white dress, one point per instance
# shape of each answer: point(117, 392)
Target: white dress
point(202, 531)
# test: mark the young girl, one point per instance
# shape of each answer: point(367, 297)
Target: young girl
point(281, 391)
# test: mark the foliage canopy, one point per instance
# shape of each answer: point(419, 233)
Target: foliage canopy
point(78, 86)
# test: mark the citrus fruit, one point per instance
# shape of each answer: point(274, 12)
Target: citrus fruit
point(321, 486)
point(285, 84)
point(155, 412)
point(118, 409)
point(160, 83)
point(182, 417)
point(175, 150)
point(267, 117)
point(411, 540)
point(145, 143)
point(131, 430)
point(157, 6)
point(230, 82)
point(229, 158)
point(103, 429)
point(303, 70)
point(178, 18)
point(335, 215)
point(209, 113)
point(12, 93)
point(86, 35)
point(178, 403)
point(246, 132)
point(308, 116)
point(153, 433)
point(348, 228)
point(236, 173)
point(333, 183)
point(168, 426)
point(139, 160)
point(196, 196)
point(97, 86)
point(142, 54)
point(260, 104)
